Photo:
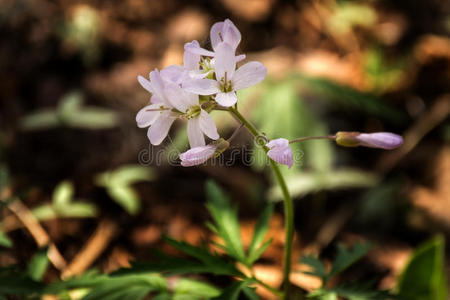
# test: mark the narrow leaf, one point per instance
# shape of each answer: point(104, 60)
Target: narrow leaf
point(259, 234)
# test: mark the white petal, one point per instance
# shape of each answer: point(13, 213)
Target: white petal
point(208, 126)
point(195, 135)
point(278, 143)
point(176, 97)
point(226, 99)
point(157, 83)
point(231, 34)
point(225, 61)
point(240, 57)
point(190, 59)
point(214, 34)
point(249, 74)
point(201, 86)
point(194, 48)
point(155, 99)
point(173, 74)
point(225, 32)
point(145, 84)
point(147, 116)
point(159, 130)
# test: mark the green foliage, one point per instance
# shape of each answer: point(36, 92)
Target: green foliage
point(354, 291)
point(424, 276)
point(233, 291)
point(38, 264)
point(257, 245)
point(344, 259)
point(71, 113)
point(226, 221)
point(226, 226)
point(17, 283)
point(133, 287)
point(5, 241)
point(187, 289)
point(118, 184)
point(64, 205)
point(300, 184)
point(347, 98)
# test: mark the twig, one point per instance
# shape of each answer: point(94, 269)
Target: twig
point(93, 248)
point(37, 232)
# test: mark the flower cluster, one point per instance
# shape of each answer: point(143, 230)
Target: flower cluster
point(208, 80)
point(178, 91)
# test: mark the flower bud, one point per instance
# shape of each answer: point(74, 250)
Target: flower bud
point(197, 155)
point(383, 140)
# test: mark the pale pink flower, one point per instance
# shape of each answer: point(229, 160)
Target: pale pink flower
point(197, 155)
point(220, 32)
point(228, 79)
point(199, 122)
point(159, 113)
point(280, 151)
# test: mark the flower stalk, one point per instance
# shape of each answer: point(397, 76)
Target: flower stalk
point(288, 207)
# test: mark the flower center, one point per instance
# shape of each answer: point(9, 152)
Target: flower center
point(225, 84)
point(192, 112)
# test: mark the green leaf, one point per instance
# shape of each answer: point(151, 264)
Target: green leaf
point(5, 241)
point(72, 113)
point(232, 292)
point(226, 220)
point(41, 119)
point(63, 193)
point(118, 185)
point(125, 197)
point(318, 268)
point(38, 265)
point(348, 98)
point(193, 289)
point(210, 262)
point(250, 293)
point(259, 234)
point(44, 212)
point(424, 276)
point(346, 257)
point(132, 287)
point(300, 184)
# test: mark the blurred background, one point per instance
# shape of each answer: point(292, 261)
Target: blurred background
point(70, 148)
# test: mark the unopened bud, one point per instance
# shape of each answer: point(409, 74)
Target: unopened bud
point(383, 140)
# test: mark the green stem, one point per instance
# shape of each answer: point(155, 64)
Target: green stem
point(288, 206)
point(327, 137)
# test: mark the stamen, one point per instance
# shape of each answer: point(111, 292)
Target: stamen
point(157, 109)
point(220, 36)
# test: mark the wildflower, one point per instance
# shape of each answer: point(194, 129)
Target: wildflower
point(228, 79)
point(199, 122)
point(159, 113)
point(383, 140)
point(198, 155)
point(220, 32)
point(280, 151)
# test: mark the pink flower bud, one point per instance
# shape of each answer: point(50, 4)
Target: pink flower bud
point(280, 151)
point(197, 155)
point(383, 140)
